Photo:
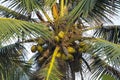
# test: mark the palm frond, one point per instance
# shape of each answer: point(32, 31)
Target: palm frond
point(4, 51)
point(55, 74)
point(106, 76)
point(62, 8)
point(103, 47)
point(6, 12)
point(14, 28)
point(107, 60)
point(12, 63)
point(50, 2)
point(100, 67)
point(52, 62)
point(97, 10)
point(110, 33)
point(24, 6)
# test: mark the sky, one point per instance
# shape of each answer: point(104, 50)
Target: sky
point(115, 19)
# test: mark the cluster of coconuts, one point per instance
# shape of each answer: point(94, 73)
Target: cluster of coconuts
point(71, 52)
point(60, 35)
point(41, 48)
point(37, 47)
point(82, 47)
point(68, 56)
point(70, 49)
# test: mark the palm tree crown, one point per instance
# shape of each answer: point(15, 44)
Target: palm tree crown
point(56, 34)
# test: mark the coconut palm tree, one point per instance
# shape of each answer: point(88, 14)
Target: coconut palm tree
point(57, 35)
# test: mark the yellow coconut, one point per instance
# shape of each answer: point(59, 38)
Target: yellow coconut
point(39, 48)
point(40, 41)
point(57, 39)
point(82, 44)
point(61, 34)
point(81, 49)
point(70, 57)
point(64, 57)
point(58, 55)
point(71, 50)
point(34, 48)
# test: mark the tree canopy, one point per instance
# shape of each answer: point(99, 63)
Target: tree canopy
point(55, 29)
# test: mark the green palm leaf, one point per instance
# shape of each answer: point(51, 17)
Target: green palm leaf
point(83, 7)
point(50, 2)
point(52, 63)
point(54, 75)
point(103, 47)
point(105, 77)
point(100, 67)
point(14, 28)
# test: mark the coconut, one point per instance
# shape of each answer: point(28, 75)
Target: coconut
point(34, 48)
point(61, 34)
point(39, 48)
point(71, 50)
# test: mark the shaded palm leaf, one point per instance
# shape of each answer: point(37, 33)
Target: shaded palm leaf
point(6, 12)
point(102, 11)
point(110, 33)
point(100, 67)
point(96, 10)
point(103, 47)
point(12, 63)
point(105, 57)
point(24, 6)
point(79, 9)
